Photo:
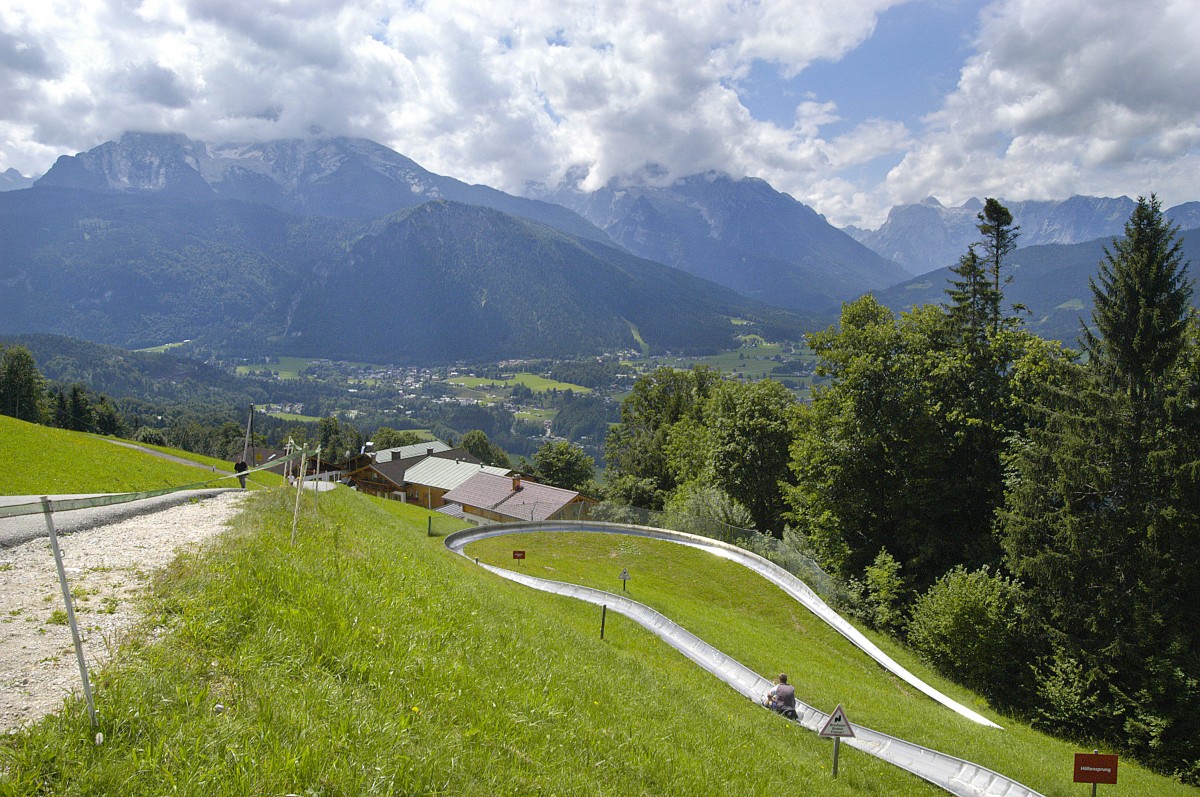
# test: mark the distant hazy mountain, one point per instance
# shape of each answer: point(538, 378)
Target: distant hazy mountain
point(928, 235)
point(340, 177)
point(1051, 280)
point(739, 233)
point(13, 180)
point(442, 281)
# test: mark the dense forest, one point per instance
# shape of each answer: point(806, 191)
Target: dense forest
point(1026, 516)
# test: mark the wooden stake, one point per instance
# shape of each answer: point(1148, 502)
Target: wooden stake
point(299, 489)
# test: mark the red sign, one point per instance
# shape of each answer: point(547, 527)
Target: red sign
point(518, 554)
point(1093, 768)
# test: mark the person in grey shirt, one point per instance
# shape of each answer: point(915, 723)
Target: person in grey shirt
point(782, 697)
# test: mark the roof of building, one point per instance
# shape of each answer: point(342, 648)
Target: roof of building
point(414, 450)
point(453, 510)
point(532, 501)
point(446, 474)
point(396, 470)
point(392, 471)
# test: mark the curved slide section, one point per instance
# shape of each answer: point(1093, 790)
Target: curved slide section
point(947, 772)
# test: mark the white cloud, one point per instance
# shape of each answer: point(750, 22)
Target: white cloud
point(1068, 97)
point(1071, 96)
point(503, 92)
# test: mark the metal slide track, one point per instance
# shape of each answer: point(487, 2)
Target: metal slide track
point(945, 771)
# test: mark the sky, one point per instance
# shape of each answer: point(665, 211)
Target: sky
point(850, 106)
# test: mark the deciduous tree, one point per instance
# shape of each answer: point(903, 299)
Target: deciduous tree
point(562, 464)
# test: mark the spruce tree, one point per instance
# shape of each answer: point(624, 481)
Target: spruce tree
point(1140, 302)
point(999, 240)
point(1101, 518)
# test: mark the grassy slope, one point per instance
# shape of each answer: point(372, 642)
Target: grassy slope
point(36, 460)
point(756, 623)
point(367, 660)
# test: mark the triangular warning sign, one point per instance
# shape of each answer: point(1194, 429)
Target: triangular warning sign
point(838, 724)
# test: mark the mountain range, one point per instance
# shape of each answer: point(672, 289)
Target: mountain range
point(739, 233)
point(1050, 280)
point(344, 178)
point(438, 281)
point(344, 248)
point(928, 235)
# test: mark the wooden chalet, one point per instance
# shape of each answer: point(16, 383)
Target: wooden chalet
point(427, 482)
point(385, 473)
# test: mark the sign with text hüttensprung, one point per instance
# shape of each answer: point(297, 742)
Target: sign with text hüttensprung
point(1095, 768)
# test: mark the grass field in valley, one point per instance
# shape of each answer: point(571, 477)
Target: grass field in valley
point(368, 660)
point(538, 384)
point(756, 623)
point(284, 367)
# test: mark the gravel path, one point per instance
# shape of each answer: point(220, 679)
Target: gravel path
point(23, 528)
point(106, 567)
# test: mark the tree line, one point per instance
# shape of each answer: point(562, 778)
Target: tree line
point(1025, 515)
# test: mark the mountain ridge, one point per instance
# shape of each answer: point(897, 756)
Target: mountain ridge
point(339, 177)
point(927, 235)
point(740, 233)
point(139, 269)
point(1050, 280)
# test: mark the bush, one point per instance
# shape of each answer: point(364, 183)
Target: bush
point(150, 436)
point(884, 593)
point(968, 627)
point(699, 505)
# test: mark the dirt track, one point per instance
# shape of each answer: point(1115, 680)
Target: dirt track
point(106, 567)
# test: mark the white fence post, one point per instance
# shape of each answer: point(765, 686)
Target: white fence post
point(66, 591)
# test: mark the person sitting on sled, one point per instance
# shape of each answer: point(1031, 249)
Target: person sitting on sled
point(782, 697)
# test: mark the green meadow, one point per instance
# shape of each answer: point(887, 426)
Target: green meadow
point(756, 623)
point(368, 660)
point(285, 368)
point(39, 460)
point(291, 416)
point(538, 384)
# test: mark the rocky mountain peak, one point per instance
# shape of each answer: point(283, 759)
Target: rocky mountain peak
point(341, 177)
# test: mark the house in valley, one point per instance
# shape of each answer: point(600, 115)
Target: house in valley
point(384, 473)
point(427, 482)
point(495, 498)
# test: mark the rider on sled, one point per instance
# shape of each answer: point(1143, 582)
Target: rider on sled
point(782, 698)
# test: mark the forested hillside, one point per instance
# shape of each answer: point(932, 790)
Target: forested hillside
point(437, 283)
point(1027, 520)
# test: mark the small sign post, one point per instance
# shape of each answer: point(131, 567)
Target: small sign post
point(518, 555)
point(625, 579)
point(838, 727)
point(1095, 768)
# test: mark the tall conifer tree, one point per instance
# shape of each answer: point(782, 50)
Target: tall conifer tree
point(1101, 521)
